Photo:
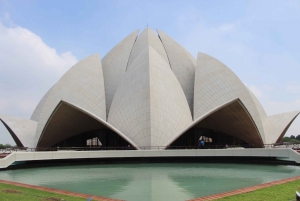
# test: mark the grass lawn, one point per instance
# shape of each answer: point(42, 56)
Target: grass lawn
point(11, 192)
point(279, 192)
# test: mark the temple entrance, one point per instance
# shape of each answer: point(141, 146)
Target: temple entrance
point(71, 127)
point(212, 140)
point(230, 125)
point(96, 139)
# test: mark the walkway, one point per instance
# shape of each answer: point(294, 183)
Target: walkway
point(244, 190)
point(62, 192)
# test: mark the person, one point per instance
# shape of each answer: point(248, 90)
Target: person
point(202, 144)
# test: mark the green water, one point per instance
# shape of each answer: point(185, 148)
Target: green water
point(146, 182)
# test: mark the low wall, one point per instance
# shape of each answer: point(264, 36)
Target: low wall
point(57, 155)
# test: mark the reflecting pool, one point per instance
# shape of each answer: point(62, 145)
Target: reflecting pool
point(147, 182)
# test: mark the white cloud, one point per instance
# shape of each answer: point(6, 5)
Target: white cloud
point(292, 88)
point(28, 67)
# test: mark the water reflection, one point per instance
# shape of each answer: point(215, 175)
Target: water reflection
point(151, 181)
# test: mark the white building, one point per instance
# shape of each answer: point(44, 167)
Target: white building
point(148, 91)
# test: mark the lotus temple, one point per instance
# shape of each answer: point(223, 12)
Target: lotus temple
point(148, 92)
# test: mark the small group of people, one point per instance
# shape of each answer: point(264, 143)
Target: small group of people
point(204, 139)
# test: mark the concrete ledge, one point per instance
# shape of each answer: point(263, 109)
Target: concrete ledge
point(260, 152)
point(58, 155)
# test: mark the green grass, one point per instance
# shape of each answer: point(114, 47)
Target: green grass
point(279, 192)
point(12, 193)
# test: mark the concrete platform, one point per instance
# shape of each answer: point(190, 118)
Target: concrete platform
point(23, 156)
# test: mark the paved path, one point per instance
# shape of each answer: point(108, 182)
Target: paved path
point(245, 190)
point(62, 192)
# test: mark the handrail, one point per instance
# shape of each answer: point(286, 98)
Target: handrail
point(5, 151)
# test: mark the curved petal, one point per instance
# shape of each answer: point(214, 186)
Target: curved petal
point(69, 120)
point(261, 111)
point(216, 84)
point(277, 125)
point(37, 112)
point(183, 65)
point(231, 118)
point(149, 105)
point(82, 85)
point(114, 66)
point(22, 130)
point(147, 38)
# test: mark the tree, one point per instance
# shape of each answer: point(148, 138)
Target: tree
point(286, 139)
point(298, 137)
point(4, 146)
point(292, 137)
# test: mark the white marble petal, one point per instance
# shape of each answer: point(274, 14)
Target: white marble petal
point(183, 65)
point(22, 130)
point(147, 38)
point(37, 112)
point(277, 125)
point(114, 66)
point(149, 105)
point(82, 85)
point(260, 109)
point(216, 84)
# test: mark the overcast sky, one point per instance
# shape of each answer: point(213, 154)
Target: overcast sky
point(41, 40)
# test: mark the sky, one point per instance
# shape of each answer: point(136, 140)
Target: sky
point(40, 40)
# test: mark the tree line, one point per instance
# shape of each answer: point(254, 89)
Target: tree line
point(4, 146)
point(292, 138)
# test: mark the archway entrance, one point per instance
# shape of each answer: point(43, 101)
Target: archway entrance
point(230, 124)
point(95, 140)
point(71, 127)
point(213, 139)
